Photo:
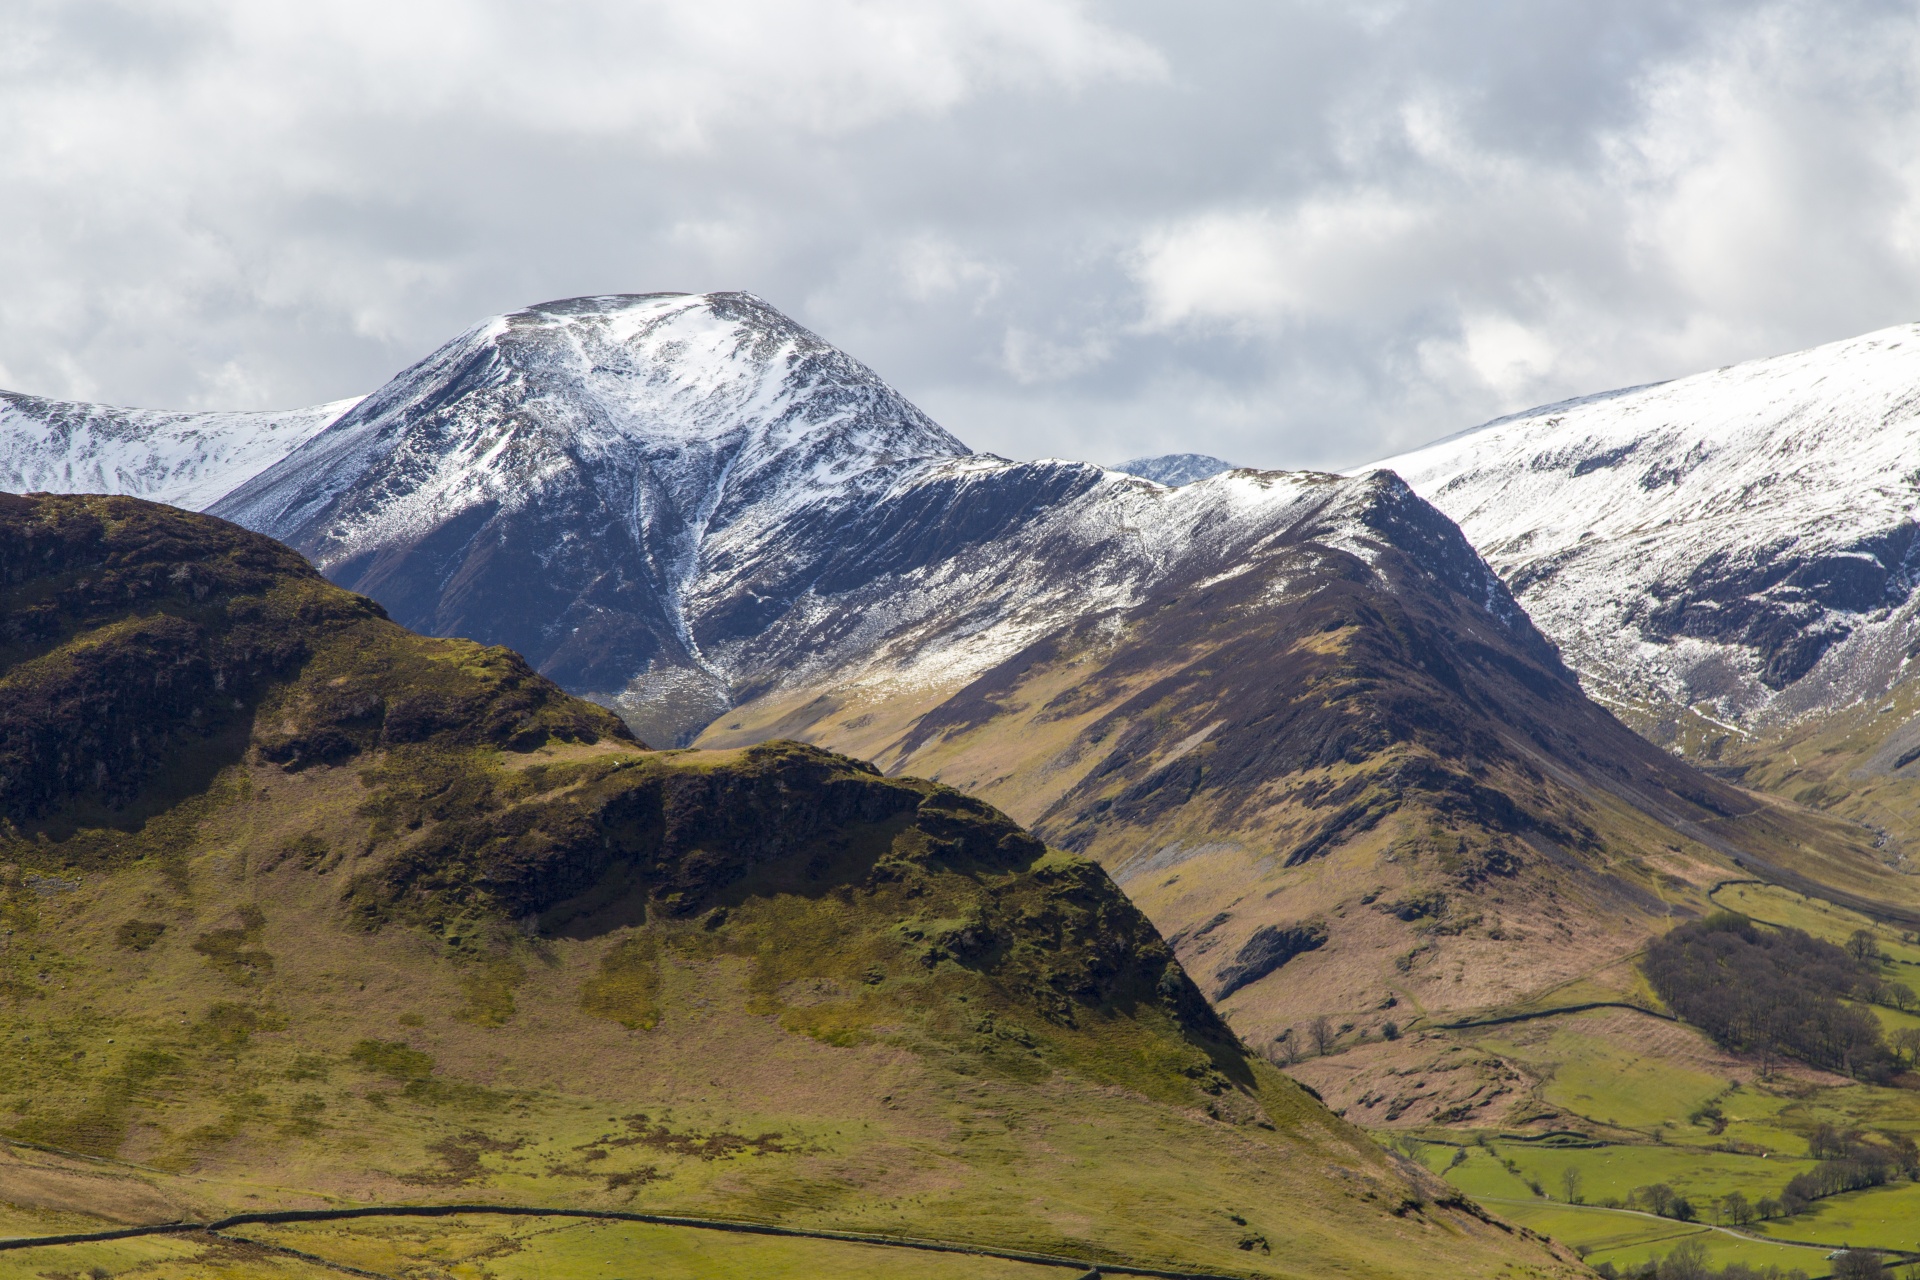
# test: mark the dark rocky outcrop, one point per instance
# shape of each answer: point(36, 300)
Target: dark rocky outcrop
point(1270, 947)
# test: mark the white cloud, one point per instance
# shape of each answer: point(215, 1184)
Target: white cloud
point(1285, 232)
point(1326, 256)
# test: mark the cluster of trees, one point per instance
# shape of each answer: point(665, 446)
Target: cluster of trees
point(1663, 1200)
point(1775, 992)
point(1849, 1161)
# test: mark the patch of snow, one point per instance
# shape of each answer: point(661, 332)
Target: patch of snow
point(1640, 527)
point(184, 459)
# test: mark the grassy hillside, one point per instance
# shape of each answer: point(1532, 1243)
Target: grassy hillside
point(1343, 785)
point(303, 910)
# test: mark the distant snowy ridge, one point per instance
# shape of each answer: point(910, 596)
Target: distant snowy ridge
point(1740, 544)
point(1175, 468)
point(186, 459)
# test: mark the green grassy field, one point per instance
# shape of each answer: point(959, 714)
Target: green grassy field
point(1629, 1239)
point(1884, 1217)
point(479, 1248)
point(1658, 1104)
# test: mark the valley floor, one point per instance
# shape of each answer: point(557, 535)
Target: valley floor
point(1558, 1122)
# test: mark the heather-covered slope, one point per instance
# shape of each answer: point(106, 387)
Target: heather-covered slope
point(304, 909)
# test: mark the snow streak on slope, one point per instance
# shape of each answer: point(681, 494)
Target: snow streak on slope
point(186, 459)
point(1740, 542)
point(720, 400)
point(561, 479)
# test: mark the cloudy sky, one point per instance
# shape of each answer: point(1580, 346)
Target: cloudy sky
point(1288, 232)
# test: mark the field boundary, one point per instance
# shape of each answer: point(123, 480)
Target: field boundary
point(1548, 1013)
point(277, 1217)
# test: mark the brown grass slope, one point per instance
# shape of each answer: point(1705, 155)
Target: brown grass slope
point(301, 909)
point(1859, 764)
point(1347, 777)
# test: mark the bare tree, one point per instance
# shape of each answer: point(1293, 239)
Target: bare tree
point(1570, 1184)
point(1322, 1033)
point(1864, 947)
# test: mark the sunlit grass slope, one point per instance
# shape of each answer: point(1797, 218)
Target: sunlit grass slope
point(304, 910)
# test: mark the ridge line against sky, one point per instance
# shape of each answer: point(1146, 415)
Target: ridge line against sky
point(1296, 234)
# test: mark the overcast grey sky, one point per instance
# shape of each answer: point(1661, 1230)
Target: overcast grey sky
point(1289, 233)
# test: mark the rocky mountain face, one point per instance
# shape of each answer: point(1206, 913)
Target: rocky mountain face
point(1718, 556)
point(1313, 733)
point(298, 904)
point(578, 479)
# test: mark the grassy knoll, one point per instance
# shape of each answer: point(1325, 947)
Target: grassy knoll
point(807, 1062)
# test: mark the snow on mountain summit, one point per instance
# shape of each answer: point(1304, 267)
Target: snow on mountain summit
point(675, 502)
point(703, 405)
point(185, 459)
point(1175, 468)
point(1739, 545)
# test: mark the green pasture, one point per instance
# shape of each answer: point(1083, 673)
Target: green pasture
point(1628, 1239)
point(1482, 1176)
point(1609, 1173)
point(1774, 905)
point(1882, 1218)
point(479, 1248)
point(1605, 1081)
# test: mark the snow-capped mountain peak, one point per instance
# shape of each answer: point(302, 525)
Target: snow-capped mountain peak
point(709, 404)
point(1740, 544)
point(1175, 469)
